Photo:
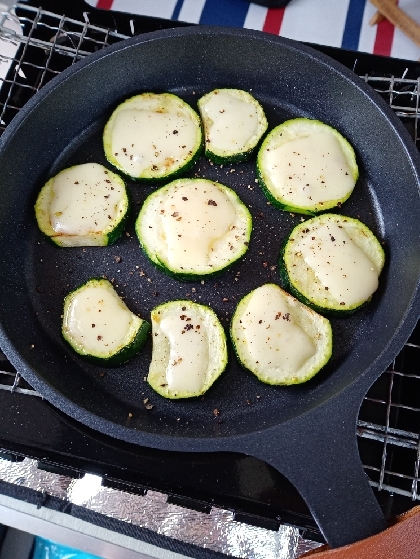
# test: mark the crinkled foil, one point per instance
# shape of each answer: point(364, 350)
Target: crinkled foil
point(217, 530)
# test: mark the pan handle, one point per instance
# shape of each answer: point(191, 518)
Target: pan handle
point(318, 453)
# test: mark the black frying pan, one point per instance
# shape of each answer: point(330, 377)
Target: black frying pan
point(308, 431)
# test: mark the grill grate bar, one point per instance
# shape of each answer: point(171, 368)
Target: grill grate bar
point(74, 52)
point(19, 64)
point(402, 441)
point(29, 392)
point(379, 430)
point(39, 12)
point(385, 447)
point(402, 406)
point(52, 49)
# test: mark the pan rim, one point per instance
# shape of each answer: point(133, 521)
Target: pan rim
point(195, 444)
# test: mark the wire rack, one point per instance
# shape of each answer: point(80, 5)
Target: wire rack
point(42, 44)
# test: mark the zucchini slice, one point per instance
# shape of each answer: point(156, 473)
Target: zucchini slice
point(332, 263)
point(192, 228)
point(234, 122)
point(85, 205)
point(307, 167)
point(278, 338)
point(99, 326)
point(153, 136)
point(189, 349)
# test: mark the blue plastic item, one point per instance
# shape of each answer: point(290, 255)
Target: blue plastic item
point(46, 549)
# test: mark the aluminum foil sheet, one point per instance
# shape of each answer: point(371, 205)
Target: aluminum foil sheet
point(27, 474)
point(217, 530)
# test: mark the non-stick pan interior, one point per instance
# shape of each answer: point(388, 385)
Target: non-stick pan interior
point(64, 127)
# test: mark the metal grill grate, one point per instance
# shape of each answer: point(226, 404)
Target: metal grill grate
point(389, 425)
point(45, 44)
point(42, 44)
point(402, 95)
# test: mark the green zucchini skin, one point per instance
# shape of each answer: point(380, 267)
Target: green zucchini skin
point(163, 180)
point(149, 177)
point(288, 128)
point(217, 346)
point(238, 158)
point(330, 311)
point(178, 274)
point(276, 203)
point(189, 277)
point(105, 238)
point(127, 352)
point(119, 229)
point(222, 156)
point(317, 322)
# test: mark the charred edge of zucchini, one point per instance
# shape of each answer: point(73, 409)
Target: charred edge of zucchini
point(161, 179)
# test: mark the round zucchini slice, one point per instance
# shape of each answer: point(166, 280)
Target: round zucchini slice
point(234, 122)
point(278, 338)
point(85, 205)
point(305, 166)
point(193, 228)
point(99, 326)
point(153, 136)
point(189, 349)
point(332, 263)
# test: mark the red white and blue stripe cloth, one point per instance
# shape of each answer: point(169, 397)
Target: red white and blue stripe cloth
point(338, 23)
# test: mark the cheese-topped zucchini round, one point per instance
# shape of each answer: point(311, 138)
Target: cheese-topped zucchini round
point(332, 263)
point(85, 205)
point(99, 326)
point(153, 136)
point(307, 167)
point(278, 338)
point(193, 228)
point(189, 349)
point(234, 123)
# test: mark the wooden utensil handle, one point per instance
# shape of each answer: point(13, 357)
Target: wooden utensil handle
point(399, 18)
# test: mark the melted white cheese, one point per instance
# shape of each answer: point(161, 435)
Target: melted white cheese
point(273, 338)
point(189, 352)
point(98, 320)
point(84, 200)
point(233, 121)
point(310, 170)
point(194, 218)
point(144, 139)
point(339, 264)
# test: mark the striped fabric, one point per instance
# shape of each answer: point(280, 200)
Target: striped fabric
point(338, 23)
